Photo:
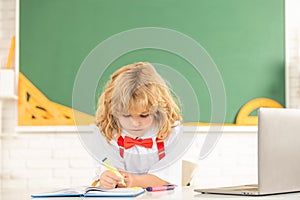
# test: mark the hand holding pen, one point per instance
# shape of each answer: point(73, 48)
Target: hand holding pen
point(111, 178)
point(114, 170)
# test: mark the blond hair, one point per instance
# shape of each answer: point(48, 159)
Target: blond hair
point(136, 88)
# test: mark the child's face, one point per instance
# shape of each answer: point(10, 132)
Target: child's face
point(136, 124)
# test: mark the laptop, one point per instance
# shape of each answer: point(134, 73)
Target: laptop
point(278, 155)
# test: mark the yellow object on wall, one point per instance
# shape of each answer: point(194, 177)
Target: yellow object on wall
point(244, 118)
point(11, 53)
point(34, 108)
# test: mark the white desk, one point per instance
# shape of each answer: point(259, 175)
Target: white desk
point(184, 193)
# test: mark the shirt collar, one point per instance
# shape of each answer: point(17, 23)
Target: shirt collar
point(149, 134)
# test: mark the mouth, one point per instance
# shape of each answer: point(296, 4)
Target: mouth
point(136, 130)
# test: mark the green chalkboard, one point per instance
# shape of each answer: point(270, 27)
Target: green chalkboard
point(243, 38)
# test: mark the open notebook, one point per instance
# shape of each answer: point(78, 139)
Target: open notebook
point(278, 155)
point(89, 191)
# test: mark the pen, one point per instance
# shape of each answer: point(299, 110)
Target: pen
point(160, 188)
point(114, 170)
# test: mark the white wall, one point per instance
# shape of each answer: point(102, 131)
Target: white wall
point(292, 53)
point(42, 160)
point(7, 29)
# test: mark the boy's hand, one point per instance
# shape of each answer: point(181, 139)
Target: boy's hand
point(109, 180)
point(128, 178)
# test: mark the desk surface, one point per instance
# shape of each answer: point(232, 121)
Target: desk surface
point(179, 193)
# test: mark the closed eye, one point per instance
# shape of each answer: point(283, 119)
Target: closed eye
point(144, 115)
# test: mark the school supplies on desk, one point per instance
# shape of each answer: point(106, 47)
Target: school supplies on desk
point(89, 191)
point(160, 188)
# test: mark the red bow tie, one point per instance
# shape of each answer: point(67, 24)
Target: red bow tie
point(130, 142)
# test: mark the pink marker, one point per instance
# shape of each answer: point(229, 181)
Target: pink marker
point(160, 188)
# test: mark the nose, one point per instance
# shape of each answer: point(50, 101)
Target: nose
point(135, 121)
